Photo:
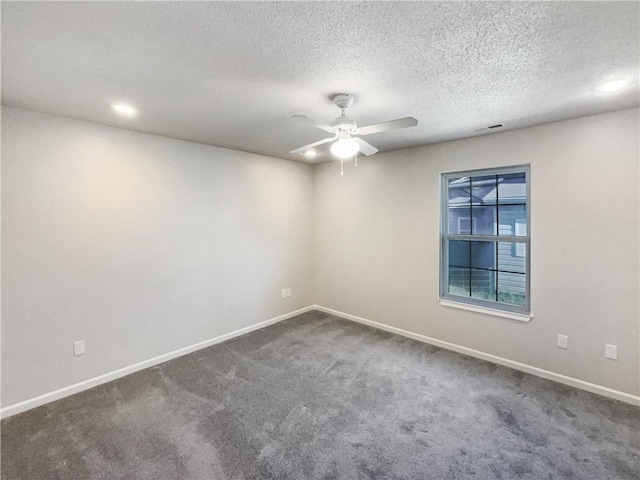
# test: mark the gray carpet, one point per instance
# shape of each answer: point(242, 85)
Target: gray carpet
point(318, 397)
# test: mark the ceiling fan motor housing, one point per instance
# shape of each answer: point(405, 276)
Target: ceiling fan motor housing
point(344, 123)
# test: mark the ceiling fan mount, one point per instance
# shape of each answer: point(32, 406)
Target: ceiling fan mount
point(343, 100)
point(343, 122)
point(346, 132)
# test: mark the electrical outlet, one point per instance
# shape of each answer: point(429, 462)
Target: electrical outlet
point(611, 351)
point(78, 348)
point(284, 293)
point(288, 292)
point(563, 341)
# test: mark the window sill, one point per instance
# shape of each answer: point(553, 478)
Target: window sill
point(520, 317)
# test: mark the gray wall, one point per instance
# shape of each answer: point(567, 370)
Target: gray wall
point(139, 245)
point(377, 244)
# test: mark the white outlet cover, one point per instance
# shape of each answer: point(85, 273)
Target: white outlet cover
point(288, 292)
point(284, 293)
point(78, 348)
point(563, 341)
point(611, 351)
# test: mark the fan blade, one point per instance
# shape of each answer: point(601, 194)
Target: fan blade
point(321, 126)
point(312, 145)
point(390, 125)
point(365, 147)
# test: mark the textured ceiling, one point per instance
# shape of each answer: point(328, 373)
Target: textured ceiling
point(232, 73)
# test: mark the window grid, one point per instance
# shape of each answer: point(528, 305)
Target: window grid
point(493, 299)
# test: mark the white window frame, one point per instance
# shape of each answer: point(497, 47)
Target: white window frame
point(520, 230)
point(517, 312)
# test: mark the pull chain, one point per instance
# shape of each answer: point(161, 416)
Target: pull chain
point(341, 166)
point(356, 156)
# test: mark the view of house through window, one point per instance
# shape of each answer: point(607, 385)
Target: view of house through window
point(485, 238)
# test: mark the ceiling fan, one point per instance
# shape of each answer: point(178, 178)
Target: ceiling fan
point(347, 134)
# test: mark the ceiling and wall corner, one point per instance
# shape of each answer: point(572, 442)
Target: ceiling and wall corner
point(231, 74)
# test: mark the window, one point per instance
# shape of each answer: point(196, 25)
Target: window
point(485, 238)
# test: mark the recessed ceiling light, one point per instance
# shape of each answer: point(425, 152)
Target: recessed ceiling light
point(310, 153)
point(613, 86)
point(124, 109)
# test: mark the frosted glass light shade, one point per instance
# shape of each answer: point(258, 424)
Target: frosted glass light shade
point(345, 148)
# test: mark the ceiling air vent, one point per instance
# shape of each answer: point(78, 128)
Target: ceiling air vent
point(490, 127)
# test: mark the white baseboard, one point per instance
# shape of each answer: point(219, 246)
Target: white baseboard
point(108, 377)
point(539, 372)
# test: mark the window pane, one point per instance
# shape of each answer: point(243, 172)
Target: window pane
point(459, 281)
point(511, 288)
point(483, 255)
point(484, 220)
point(512, 257)
point(483, 284)
point(460, 220)
point(459, 253)
point(483, 190)
point(512, 188)
point(513, 220)
point(481, 204)
point(459, 191)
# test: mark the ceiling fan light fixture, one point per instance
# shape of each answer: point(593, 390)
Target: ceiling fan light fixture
point(345, 147)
